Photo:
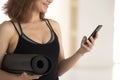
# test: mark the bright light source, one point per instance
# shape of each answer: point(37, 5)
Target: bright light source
point(116, 54)
point(116, 72)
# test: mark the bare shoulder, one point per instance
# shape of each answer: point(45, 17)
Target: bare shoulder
point(55, 26)
point(6, 27)
point(5, 23)
point(53, 22)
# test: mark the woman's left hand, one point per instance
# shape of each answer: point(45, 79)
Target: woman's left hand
point(87, 45)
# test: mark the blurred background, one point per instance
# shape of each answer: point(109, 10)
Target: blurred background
point(78, 18)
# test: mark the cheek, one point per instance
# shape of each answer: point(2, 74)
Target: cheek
point(51, 1)
point(38, 5)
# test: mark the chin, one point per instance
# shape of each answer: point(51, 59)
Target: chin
point(44, 11)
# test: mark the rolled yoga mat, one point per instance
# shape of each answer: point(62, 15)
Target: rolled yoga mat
point(31, 63)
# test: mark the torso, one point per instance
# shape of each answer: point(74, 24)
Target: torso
point(38, 31)
point(41, 42)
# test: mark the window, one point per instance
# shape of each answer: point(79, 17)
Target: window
point(116, 53)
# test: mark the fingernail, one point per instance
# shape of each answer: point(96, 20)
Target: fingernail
point(87, 40)
point(37, 76)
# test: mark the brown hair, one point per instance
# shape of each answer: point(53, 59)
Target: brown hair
point(17, 10)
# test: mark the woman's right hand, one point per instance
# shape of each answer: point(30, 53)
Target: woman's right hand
point(25, 76)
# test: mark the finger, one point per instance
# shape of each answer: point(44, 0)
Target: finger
point(89, 44)
point(24, 74)
point(84, 39)
point(35, 76)
point(29, 77)
point(92, 40)
point(85, 47)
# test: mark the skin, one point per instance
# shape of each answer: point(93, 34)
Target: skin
point(8, 43)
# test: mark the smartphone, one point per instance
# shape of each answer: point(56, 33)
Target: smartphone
point(94, 32)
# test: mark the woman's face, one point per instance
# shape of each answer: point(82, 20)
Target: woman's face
point(42, 5)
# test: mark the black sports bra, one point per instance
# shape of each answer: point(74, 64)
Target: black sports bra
point(51, 49)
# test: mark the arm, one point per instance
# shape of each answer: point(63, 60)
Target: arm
point(71, 61)
point(4, 42)
point(6, 33)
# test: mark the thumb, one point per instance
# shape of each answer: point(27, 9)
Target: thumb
point(35, 76)
point(84, 39)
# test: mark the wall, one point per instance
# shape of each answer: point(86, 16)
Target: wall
point(97, 64)
point(59, 10)
point(90, 14)
point(2, 15)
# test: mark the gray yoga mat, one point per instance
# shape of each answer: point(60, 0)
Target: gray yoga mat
point(30, 63)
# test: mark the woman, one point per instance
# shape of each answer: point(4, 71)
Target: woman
point(29, 32)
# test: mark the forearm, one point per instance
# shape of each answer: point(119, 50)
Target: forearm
point(7, 76)
point(68, 63)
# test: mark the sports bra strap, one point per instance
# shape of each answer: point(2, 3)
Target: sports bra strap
point(20, 27)
point(49, 25)
point(16, 27)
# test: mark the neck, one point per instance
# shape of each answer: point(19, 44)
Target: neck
point(35, 17)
